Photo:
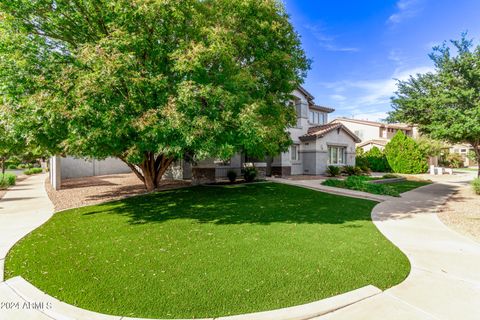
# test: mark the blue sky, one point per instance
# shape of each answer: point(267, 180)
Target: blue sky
point(359, 47)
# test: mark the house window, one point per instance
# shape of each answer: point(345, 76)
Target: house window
point(295, 152)
point(337, 155)
point(316, 117)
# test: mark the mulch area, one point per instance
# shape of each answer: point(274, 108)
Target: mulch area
point(94, 190)
point(462, 213)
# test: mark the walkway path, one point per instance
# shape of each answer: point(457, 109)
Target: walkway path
point(445, 279)
point(444, 282)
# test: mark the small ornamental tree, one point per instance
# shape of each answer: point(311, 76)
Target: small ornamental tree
point(405, 156)
point(150, 82)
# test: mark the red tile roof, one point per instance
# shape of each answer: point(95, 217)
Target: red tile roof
point(321, 131)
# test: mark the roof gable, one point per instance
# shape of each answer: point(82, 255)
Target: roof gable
point(322, 131)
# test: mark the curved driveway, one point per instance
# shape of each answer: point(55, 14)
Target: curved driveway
point(444, 282)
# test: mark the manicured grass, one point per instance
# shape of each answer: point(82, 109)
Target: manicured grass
point(407, 185)
point(361, 183)
point(208, 252)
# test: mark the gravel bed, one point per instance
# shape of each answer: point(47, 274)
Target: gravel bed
point(462, 213)
point(94, 190)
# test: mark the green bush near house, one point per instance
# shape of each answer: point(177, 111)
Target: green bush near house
point(405, 156)
point(476, 185)
point(7, 180)
point(374, 159)
point(352, 170)
point(333, 171)
point(250, 174)
point(232, 176)
point(33, 171)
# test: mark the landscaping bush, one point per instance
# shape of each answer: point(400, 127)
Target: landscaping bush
point(12, 166)
point(454, 160)
point(361, 183)
point(352, 171)
point(32, 171)
point(390, 176)
point(232, 176)
point(250, 174)
point(333, 171)
point(404, 155)
point(374, 159)
point(476, 186)
point(7, 180)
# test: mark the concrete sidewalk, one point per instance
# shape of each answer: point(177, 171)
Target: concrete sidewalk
point(23, 208)
point(445, 279)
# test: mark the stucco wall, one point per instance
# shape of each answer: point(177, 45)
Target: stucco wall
point(365, 132)
point(76, 168)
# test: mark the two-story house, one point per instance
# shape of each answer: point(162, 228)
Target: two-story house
point(376, 134)
point(316, 145)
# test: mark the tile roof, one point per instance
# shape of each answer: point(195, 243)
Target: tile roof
point(376, 124)
point(380, 142)
point(321, 131)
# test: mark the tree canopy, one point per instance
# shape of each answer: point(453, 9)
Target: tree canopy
point(151, 81)
point(445, 103)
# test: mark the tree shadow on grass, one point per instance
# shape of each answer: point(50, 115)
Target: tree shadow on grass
point(261, 204)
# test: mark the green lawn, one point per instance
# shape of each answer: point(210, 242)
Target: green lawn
point(208, 252)
point(407, 185)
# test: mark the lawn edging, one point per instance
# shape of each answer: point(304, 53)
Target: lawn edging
point(59, 309)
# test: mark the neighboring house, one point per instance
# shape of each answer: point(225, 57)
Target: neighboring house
point(316, 145)
point(463, 150)
point(376, 134)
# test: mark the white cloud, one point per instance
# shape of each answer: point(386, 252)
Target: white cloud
point(369, 99)
point(338, 97)
point(326, 41)
point(406, 9)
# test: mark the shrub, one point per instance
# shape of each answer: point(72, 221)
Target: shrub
point(7, 180)
point(405, 156)
point(390, 176)
point(12, 166)
point(352, 171)
point(250, 174)
point(455, 160)
point(361, 183)
point(232, 176)
point(333, 171)
point(476, 186)
point(32, 171)
point(375, 159)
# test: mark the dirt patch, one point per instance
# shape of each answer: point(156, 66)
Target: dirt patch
point(94, 190)
point(462, 213)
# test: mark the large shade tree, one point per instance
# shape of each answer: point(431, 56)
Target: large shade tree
point(151, 81)
point(445, 103)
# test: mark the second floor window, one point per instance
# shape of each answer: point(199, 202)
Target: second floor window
point(316, 117)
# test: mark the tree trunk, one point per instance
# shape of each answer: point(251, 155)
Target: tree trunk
point(476, 147)
point(152, 169)
point(3, 168)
